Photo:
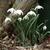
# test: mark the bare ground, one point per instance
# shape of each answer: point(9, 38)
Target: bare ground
point(10, 44)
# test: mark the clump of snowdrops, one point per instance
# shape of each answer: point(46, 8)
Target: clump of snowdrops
point(29, 30)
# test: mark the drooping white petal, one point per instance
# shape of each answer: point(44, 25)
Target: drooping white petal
point(25, 17)
point(7, 19)
point(19, 19)
point(38, 7)
point(15, 12)
point(31, 13)
point(18, 12)
point(11, 10)
point(44, 27)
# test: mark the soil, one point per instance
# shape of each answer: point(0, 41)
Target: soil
point(10, 44)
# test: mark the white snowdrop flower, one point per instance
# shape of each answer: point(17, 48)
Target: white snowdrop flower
point(19, 19)
point(7, 19)
point(31, 13)
point(11, 10)
point(25, 17)
point(38, 7)
point(44, 27)
point(18, 12)
point(15, 12)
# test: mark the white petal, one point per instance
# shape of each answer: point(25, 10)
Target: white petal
point(31, 13)
point(19, 19)
point(25, 17)
point(38, 7)
point(7, 19)
point(19, 12)
point(11, 10)
point(44, 27)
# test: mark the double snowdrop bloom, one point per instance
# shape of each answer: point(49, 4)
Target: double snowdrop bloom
point(7, 19)
point(20, 19)
point(15, 12)
point(29, 13)
point(25, 17)
point(44, 27)
point(18, 12)
point(38, 7)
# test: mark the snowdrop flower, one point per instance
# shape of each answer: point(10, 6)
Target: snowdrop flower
point(15, 12)
point(31, 13)
point(38, 7)
point(11, 10)
point(18, 12)
point(44, 27)
point(25, 17)
point(19, 19)
point(7, 19)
